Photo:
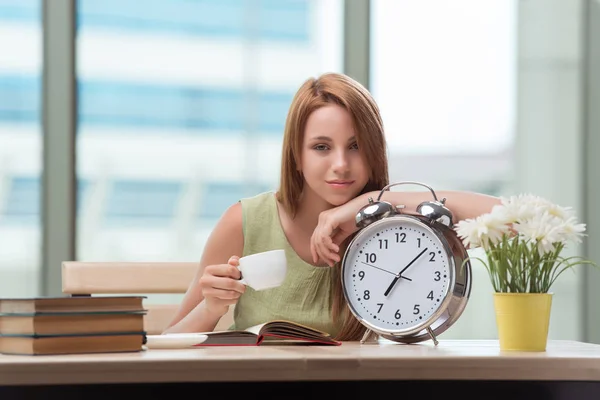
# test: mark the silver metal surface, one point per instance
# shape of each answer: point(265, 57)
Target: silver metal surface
point(432, 335)
point(437, 219)
point(407, 183)
point(436, 211)
point(372, 212)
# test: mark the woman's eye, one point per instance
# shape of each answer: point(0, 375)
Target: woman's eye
point(354, 146)
point(320, 147)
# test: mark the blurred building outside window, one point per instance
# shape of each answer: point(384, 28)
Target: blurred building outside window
point(20, 146)
point(443, 74)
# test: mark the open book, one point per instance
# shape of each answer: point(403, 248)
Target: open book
point(273, 332)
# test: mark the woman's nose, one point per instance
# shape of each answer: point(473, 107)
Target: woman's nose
point(340, 163)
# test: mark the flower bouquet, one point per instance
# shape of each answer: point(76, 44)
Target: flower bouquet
point(524, 239)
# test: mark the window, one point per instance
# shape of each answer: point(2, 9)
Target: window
point(20, 146)
point(182, 107)
point(443, 74)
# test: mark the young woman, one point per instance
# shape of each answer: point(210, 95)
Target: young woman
point(334, 158)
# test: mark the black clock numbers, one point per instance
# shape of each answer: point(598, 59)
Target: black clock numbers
point(397, 314)
point(381, 278)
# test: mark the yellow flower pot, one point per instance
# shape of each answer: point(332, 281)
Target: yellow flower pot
point(522, 320)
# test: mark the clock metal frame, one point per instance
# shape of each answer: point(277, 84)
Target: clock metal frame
point(459, 286)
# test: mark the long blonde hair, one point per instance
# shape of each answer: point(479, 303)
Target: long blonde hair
point(333, 88)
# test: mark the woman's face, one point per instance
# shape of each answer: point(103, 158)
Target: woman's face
point(331, 163)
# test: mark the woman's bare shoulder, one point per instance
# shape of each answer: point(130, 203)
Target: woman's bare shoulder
point(226, 238)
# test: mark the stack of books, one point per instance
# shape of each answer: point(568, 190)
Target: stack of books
point(72, 325)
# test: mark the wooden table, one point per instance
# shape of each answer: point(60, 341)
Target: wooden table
point(568, 369)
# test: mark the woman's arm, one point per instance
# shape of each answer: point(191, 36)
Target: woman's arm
point(463, 204)
point(225, 240)
point(338, 223)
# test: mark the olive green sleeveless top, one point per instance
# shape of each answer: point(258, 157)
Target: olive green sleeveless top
point(305, 295)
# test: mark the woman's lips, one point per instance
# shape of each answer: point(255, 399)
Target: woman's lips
point(340, 184)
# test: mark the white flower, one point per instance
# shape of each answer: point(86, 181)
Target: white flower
point(468, 230)
point(562, 213)
point(503, 215)
point(533, 218)
point(542, 230)
point(571, 231)
point(523, 207)
point(522, 238)
point(483, 230)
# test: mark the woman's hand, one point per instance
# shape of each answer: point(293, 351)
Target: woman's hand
point(334, 226)
point(221, 287)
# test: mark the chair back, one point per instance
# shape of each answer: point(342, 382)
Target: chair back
point(135, 278)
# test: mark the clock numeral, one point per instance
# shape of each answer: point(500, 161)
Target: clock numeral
point(371, 257)
point(397, 315)
point(367, 295)
point(380, 307)
point(437, 276)
point(432, 258)
point(383, 243)
point(430, 295)
point(361, 274)
point(400, 237)
point(416, 310)
point(419, 242)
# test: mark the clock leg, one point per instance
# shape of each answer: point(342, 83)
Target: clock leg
point(435, 341)
point(366, 336)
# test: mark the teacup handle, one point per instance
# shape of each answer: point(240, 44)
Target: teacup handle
point(242, 280)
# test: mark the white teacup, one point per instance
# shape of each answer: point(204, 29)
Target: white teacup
point(264, 270)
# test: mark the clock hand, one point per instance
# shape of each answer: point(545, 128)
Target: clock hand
point(391, 285)
point(381, 269)
point(385, 270)
point(413, 260)
point(403, 269)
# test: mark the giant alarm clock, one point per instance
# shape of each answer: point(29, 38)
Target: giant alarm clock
point(406, 277)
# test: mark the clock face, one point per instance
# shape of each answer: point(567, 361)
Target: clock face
point(397, 274)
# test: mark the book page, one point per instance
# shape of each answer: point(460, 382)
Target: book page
point(287, 332)
point(289, 329)
point(293, 329)
point(256, 329)
point(229, 337)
